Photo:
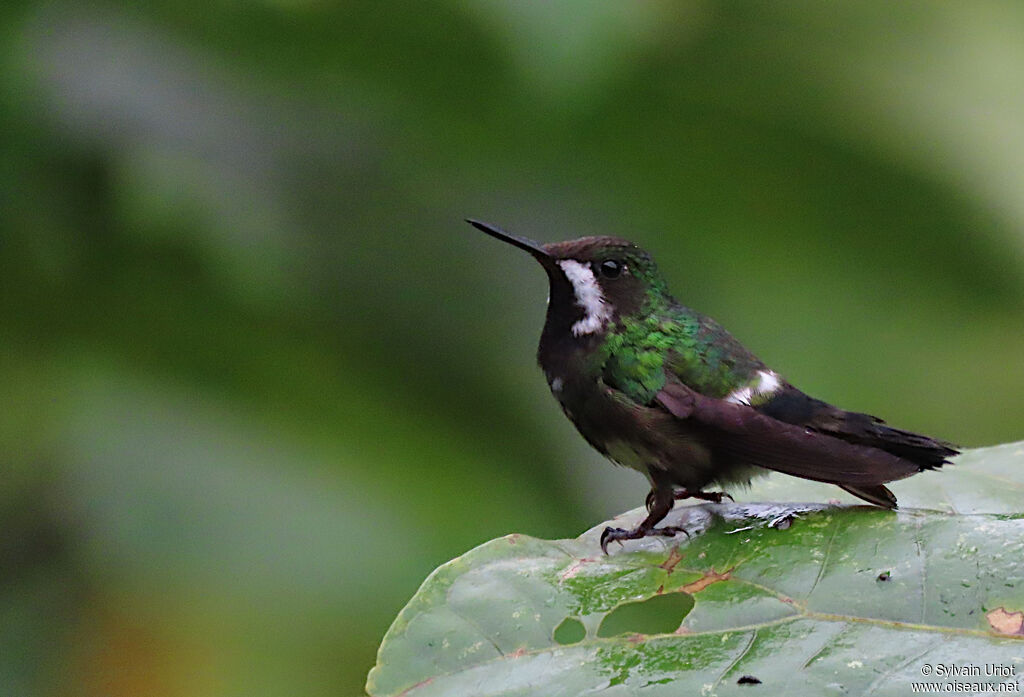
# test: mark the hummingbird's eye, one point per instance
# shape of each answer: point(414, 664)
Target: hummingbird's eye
point(611, 268)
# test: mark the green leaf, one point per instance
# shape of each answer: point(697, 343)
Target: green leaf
point(843, 600)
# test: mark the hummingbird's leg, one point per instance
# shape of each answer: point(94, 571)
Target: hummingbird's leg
point(659, 502)
point(713, 496)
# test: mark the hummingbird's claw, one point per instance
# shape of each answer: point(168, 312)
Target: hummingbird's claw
point(618, 534)
point(608, 535)
point(670, 531)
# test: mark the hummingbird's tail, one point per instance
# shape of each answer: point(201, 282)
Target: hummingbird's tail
point(878, 495)
point(926, 452)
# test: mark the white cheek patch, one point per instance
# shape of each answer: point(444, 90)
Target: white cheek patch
point(596, 312)
point(764, 385)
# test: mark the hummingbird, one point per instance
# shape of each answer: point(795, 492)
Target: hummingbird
point(663, 389)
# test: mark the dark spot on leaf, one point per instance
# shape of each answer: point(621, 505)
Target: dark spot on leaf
point(748, 680)
point(660, 614)
point(884, 576)
point(570, 631)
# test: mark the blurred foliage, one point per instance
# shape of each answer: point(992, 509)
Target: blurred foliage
point(259, 377)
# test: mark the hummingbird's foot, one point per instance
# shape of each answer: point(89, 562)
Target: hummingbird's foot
point(659, 503)
point(712, 496)
point(640, 532)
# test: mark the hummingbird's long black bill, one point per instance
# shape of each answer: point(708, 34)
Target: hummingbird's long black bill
point(523, 243)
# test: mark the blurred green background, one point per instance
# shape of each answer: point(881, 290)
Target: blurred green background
point(259, 378)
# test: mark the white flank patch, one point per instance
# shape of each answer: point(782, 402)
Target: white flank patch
point(556, 385)
point(740, 396)
point(767, 384)
point(596, 311)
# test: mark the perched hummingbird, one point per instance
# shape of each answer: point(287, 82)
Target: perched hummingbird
point(665, 390)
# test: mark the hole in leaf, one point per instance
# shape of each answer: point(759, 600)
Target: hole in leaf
point(660, 614)
point(570, 631)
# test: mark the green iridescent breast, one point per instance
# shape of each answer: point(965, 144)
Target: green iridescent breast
point(639, 351)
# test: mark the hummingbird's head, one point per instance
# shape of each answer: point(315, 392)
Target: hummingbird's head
point(594, 280)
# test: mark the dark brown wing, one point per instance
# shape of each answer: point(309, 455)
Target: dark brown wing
point(792, 406)
point(759, 439)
